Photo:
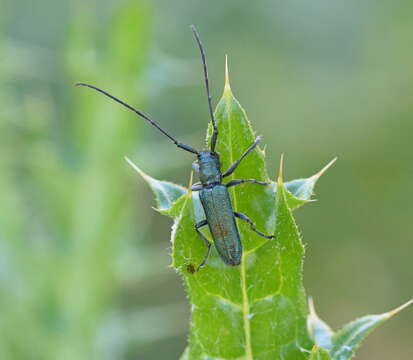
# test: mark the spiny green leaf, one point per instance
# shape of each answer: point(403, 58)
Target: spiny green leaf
point(348, 339)
point(256, 310)
point(301, 190)
point(166, 193)
point(319, 331)
point(319, 354)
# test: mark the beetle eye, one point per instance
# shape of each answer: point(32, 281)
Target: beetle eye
point(195, 166)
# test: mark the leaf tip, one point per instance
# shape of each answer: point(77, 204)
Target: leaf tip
point(325, 168)
point(135, 167)
point(191, 177)
point(318, 330)
point(399, 309)
point(227, 86)
point(280, 171)
point(311, 308)
point(161, 211)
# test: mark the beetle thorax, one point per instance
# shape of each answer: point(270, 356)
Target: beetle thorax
point(209, 168)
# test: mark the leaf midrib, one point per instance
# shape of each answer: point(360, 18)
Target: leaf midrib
point(245, 300)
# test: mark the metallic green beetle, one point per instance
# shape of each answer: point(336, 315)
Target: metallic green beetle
point(214, 195)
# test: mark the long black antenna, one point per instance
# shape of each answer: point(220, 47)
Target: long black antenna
point(142, 115)
point(211, 111)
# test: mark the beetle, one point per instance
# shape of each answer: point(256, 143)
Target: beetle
point(213, 193)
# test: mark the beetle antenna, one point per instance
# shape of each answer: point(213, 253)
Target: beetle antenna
point(142, 115)
point(211, 111)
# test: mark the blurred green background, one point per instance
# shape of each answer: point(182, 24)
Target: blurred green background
point(83, 257)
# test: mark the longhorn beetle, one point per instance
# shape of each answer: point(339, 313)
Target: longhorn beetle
point(213, 194)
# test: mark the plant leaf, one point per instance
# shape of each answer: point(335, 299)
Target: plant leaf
point(319, 353)
point(319, 331)
point(301, 190)
point(166, 193)
point(256, 310)
point(348, 339)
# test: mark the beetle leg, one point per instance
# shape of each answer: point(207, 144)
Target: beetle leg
point(234, 165)
point(252, 225)
point(196, 187)
point(241, 181)
point(207, 243)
